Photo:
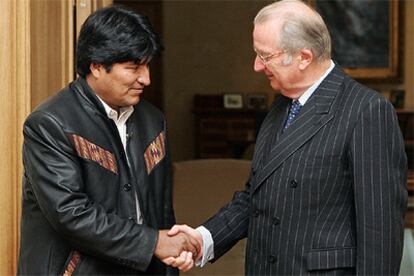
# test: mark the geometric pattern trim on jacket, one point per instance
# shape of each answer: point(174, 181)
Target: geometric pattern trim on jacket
point(155, 152)
point(73, 262)
point(88, 150)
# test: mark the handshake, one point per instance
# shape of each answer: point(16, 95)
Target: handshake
point(179, 247)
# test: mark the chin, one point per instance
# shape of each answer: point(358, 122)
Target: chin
point(275, 86)
point(134, 102)
point(134, 99)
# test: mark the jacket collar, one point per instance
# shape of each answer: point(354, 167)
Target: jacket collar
point(316, 113)
point(85, 91)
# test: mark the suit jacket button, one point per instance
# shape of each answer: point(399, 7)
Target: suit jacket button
point(256, 213)
point(272, 258)
point(127, 187)
point(293, 183)
point(276, 221)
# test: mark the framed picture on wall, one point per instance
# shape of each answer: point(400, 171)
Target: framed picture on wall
point(233, 100)
point(257, 101)
point(364, 36)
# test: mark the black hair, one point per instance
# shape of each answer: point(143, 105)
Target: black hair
point(114, 35)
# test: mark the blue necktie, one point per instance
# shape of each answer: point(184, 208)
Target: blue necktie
point(293, 111)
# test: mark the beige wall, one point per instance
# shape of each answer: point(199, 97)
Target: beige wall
point(209, 50)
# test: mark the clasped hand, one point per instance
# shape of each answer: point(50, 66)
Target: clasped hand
point(179, 247)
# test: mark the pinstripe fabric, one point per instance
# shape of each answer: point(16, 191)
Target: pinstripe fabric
point(327, 195)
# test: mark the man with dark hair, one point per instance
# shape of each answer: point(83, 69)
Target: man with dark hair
point(97, 184)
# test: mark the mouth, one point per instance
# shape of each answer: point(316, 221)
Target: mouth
point(137, 90)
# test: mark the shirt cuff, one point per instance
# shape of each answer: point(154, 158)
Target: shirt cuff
point(208, 246)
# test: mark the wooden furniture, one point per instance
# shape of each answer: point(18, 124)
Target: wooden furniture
point(406, 121)
point(223, 132)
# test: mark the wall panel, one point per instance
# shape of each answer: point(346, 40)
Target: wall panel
point(15, 99)
point(52, 42)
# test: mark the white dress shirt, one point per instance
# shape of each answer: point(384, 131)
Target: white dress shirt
point(120, 122)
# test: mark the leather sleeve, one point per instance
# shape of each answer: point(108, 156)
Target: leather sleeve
point(55, 176)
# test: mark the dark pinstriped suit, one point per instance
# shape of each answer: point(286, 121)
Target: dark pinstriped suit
point(328, 194)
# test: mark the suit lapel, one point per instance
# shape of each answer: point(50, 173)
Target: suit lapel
point(272, 123)
point(316, 113)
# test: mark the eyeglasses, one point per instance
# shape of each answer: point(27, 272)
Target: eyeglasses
point(266, 59)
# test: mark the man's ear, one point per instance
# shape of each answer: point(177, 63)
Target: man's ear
point(305, 58)
point(96, 69)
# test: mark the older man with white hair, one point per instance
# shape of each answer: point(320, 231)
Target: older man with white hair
point(327, 192)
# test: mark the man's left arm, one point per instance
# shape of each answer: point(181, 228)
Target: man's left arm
point(379, 168)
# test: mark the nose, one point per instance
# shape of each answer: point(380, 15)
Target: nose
point(144, 76)
point(258, 65)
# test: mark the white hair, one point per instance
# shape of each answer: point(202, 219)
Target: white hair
point(298, 30)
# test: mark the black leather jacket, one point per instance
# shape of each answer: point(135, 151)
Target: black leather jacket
point(79, 208)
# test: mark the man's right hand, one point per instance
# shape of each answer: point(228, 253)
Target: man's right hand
point(176, 229)
point(185, 261)
point(173, 246)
